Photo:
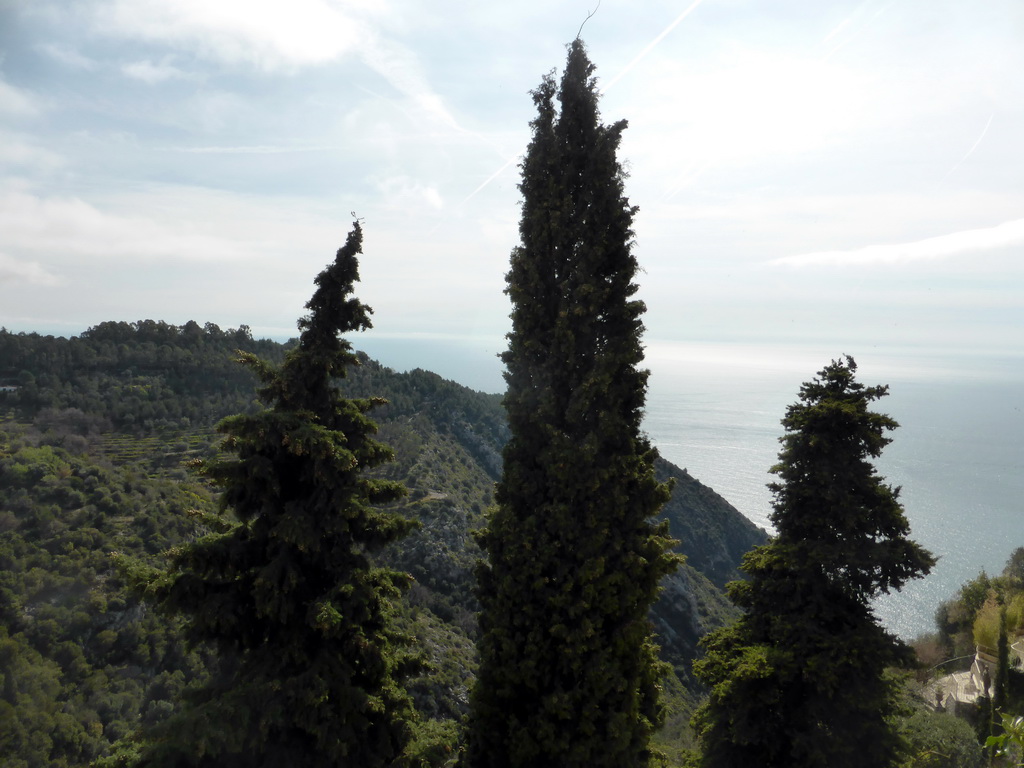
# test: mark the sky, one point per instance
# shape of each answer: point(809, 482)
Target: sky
point(844, 172)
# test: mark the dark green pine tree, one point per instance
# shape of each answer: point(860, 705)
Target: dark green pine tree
point(286, 587)
point(568, 671)
point(800, 680)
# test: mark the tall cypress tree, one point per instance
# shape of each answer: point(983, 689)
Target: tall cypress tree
point(799, 681)
point(286, 587)
point(568, 672)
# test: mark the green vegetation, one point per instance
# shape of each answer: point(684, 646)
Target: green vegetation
point(938, 740)
point(984, 608)
point(82, 662)
point(133, 377)
point(568, 673)
point(986, 617)
point(63, 513)
point(1009, 744)
point(800, 679)
point(85, 664)
point(285, 586)
point(128, 491)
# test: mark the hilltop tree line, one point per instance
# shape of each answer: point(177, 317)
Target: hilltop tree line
point(290, 638)
point(141, 376)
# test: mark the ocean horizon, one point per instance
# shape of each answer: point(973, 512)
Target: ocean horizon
point(715, 410)
point(957, 456)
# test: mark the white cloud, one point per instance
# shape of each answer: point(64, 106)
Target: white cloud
point(255, 149)
point(15, 102)
point(69, 228)
point(273, 36)
point(407, 194)
point(400, 67)
point(14, 270)
point(23, 152)
point(1010, 233)
point(268, 34)
point(151, 73)
point(746, 109)
point(68, 56)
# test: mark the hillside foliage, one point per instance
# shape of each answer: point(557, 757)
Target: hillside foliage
point(76, 487)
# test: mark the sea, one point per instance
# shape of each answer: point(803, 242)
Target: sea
point(715, 409)
point(957, 456)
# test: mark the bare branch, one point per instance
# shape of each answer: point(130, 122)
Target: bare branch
point(588, 19)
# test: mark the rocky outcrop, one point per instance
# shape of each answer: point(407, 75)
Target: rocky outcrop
point(712, 533)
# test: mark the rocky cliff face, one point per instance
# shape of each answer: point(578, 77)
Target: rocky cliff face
point(712, 533)
point(713, 536)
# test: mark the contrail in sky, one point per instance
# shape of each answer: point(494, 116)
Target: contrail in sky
point(837, 30)
point(971, 150)
point(490, 178)
point(853, 33)
point(636, 60)
point(651, 45)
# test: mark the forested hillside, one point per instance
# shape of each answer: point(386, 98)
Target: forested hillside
point(96, 432)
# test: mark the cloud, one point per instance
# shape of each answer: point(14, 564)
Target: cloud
point(69, 228)
point(255, 149)
point(15, 102)
point(68, 56)
point(1010, 233)
point(267, 34)
point(13, 270)
point(754, 108)
point(163, 250)
point(272, 36)
point(400, 67)
point(408, 194)
point(20, 151)
point(153, 74)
